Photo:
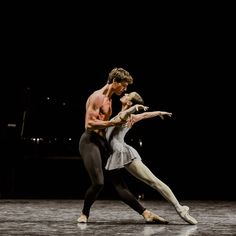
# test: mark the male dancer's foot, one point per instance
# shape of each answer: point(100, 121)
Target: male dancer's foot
point(184, 214)
point(83, 218)
point(153, 218)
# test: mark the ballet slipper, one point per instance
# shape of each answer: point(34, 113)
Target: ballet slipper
point(83, 218)
point(153, 218)
point(184, 214)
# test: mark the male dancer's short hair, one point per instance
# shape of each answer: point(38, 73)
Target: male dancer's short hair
point(119, 75)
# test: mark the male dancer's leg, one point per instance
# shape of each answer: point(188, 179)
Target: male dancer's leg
point(128, 198)
point(91, 157)
point(123, 191)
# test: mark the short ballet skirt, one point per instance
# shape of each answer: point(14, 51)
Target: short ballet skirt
point(122, 155)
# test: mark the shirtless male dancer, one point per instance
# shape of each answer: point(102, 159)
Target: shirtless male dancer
point(125, 156)
point(94, 148)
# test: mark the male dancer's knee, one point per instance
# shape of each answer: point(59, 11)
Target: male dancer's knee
point(97, 187)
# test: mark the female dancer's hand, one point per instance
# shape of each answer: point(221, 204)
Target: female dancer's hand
point(141, 107)
point(164, 113)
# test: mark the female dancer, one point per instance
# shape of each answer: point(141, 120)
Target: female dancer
point(125, 156)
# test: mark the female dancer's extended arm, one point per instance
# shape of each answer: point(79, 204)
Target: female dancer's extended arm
point(150, 114)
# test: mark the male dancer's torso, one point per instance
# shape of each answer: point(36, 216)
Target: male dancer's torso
point(98, 107)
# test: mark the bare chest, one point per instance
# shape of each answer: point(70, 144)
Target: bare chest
point(106, 108)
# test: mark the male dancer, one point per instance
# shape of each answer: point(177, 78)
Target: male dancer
point(94, 148)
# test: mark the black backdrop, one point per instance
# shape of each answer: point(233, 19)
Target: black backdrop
point(180, 63)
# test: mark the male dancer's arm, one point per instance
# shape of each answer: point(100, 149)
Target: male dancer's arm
point(95, 120)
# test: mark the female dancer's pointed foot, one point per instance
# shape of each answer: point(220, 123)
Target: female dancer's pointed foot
point(83, 218)
point(184, 214)
point(153, 218)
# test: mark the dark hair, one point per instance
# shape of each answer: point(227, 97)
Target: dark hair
point(119, 75)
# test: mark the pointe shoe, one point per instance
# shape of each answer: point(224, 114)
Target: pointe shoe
point(152, 218)
point(83, 218)
point(184, 214)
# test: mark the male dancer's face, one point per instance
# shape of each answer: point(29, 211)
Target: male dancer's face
point(119, 88)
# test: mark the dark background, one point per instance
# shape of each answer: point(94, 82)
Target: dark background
point(181, 62)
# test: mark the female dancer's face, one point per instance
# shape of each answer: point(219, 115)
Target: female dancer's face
point(125, 99)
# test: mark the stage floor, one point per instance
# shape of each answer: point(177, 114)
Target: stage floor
point(112, 217)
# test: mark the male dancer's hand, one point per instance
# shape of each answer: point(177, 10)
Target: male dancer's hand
point(117, 120)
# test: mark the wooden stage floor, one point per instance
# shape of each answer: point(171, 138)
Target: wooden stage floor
point(113, 217)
